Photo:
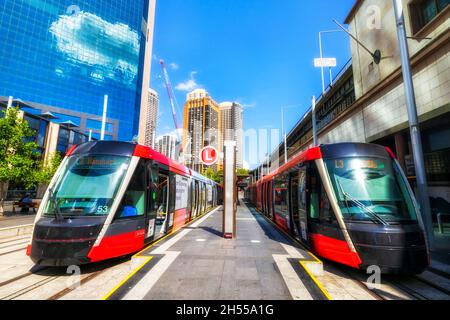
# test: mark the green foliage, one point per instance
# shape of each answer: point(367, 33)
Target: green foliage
point(242, 172)
point(47, 169)
point(215, 176)
point(17, 154)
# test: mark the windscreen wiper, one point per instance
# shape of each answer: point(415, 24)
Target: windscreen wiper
point(361, 205)
point(58, 214)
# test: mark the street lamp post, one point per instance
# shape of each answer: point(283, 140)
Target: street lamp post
point(321, 58)
point(314, 123)
point(416, 140)
point(283, 132)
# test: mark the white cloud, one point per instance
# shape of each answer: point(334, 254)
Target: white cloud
point(174, 66)
point(188, 85)
point(248, 105)
point(109, 50)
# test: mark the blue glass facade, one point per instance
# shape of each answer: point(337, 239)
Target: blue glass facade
point(70, 53)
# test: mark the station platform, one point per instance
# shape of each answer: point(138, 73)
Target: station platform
point(198, 263)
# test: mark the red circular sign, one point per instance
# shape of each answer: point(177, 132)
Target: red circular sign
point(209, 156)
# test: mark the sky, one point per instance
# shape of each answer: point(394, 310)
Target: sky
point(259, 53)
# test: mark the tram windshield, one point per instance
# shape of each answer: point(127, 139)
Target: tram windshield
point(371, 189)
point(87, 186)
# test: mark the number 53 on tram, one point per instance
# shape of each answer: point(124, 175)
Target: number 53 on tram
point(110, 199)
point(350, 203)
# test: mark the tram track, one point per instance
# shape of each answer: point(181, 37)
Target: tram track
point(414, 287)
point(57, 279)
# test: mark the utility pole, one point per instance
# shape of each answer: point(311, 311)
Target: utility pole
point(314, 126)
point(414, 125)
point(284, 135)
point(321, 59)
point(10, 102)
point(105, 110)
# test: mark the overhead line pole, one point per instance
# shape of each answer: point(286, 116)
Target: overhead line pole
point(414, 124)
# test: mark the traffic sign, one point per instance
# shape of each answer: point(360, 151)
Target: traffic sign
point(325, 62)
point(209, 156)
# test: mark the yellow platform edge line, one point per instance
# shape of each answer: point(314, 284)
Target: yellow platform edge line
point(110, 293)
point(318, 284)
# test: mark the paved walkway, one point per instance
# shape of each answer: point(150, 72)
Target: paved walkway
point(211, 267)
point(16, 220)
point(257, 265)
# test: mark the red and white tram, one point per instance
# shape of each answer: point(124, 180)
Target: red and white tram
point(350, 203)
point(110, 199)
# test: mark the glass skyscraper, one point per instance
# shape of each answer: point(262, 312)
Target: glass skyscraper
point(65, 55)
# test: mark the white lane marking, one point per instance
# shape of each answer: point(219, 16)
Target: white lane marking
point(296, 288)
point(200, 240)
point(255, 241)
point(292, 251)
point(165, 246)
point(146, 284)
point(143, 287)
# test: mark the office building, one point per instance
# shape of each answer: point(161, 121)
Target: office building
point(64, 57)
point(201, 128)
point(168, 146)
point(149, 120)
point(231, 114)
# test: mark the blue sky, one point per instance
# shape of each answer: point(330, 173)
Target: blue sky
point(257, 52)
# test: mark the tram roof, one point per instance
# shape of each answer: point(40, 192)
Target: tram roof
point(332, 151)
point(131, 149)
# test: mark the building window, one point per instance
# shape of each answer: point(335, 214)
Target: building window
point(424, 11)
point(63, 141)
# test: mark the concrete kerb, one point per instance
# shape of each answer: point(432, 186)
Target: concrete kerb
point(9, 232)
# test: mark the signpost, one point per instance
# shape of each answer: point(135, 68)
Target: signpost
point(229, 210)
point(325, 62)
point(209, 156)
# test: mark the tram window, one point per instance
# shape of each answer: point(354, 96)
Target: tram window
point(314, 208)
point(281, 201)
point(294, 195)
point(161, 204)
point(326, 211)
point(269, 202)
point(133, 201)
point(172, 193)
point(302, 203)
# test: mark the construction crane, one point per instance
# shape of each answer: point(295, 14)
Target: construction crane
point(171, 97)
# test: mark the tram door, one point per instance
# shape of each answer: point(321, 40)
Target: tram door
point(158, 215)
point(263, 198)
point(193, 200)
point(152, 200)
point(293, 203)
point(269, 197)
point(302, 198)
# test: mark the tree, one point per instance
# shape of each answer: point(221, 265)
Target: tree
point(46, 169)
point(242, 172)
point(215, 176)
point(17, 153)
